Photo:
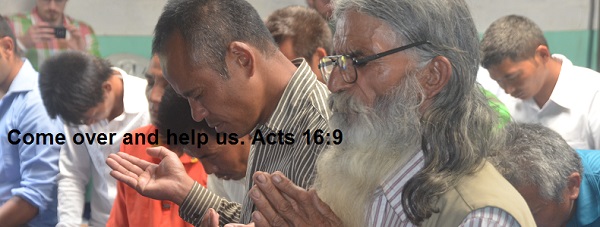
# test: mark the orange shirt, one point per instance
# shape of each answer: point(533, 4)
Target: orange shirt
point(133, 209)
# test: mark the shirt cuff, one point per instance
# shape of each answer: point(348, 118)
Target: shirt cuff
point(196, 203)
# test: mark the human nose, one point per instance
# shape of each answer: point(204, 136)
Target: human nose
point(508, 89)
point(336, 81)
point(156, 94)
point(198, 110)
point(52, 5)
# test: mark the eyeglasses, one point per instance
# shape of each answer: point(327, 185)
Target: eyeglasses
point(328, 63)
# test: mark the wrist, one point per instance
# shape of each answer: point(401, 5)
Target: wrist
point(184, 188)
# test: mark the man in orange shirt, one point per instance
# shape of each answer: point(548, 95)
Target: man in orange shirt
point(131, 208)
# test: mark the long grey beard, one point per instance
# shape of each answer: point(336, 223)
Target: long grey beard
point(376, 141)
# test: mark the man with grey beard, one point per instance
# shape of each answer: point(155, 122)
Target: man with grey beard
point(417, 129)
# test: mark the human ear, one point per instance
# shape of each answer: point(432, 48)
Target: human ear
point(314, 62)
point(7, 47)
point(438, 73)
point(543, 53)
point(573, 184)
point(242, 56)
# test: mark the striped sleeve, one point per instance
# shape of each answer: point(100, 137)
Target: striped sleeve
point(199, 199)
point(489, 216)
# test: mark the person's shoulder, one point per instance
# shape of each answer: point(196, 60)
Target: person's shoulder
point(34, 98)
point(318, 100)
point(20, 16)
point(131, 82)
point(579, 73)
point(590, 156)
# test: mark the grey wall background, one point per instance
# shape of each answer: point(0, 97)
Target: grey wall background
point(126, 17)
point(126, 25)
point(137, 17)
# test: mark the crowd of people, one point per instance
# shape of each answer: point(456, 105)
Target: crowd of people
point(343, 113)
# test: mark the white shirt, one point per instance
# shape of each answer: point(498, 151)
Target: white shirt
point(573, 109)
point(80, 164)
point(232, 190)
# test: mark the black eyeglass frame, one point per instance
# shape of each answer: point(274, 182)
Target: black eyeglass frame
point(365, 60)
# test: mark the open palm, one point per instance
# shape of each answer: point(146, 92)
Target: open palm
point(167, 180)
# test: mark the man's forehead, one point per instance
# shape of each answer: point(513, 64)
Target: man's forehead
point(505, 67)
point(355, 30)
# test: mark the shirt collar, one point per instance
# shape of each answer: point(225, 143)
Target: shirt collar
point(562, 90)
point(26, 79)
point(129, 104)
point(293, 95)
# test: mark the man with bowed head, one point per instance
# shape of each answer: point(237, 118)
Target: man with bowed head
point(560, 184)
point(417, 129)
point(222, 58)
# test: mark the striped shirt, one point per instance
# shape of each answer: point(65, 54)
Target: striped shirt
point(20, 24)
point(302, 107)
point(387, 210)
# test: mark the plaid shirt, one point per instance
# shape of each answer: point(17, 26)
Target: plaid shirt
point(20, 24)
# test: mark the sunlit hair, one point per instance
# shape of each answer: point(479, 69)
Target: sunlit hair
point(458, 128)
point(537, 156)
point(511, 37)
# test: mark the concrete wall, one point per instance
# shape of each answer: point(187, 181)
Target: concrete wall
point(126, 25)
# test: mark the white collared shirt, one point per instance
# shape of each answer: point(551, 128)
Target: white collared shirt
point(573, 109)
point(80, 164)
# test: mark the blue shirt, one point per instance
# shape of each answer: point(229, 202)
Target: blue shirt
point(588, 206)
point(28, 171)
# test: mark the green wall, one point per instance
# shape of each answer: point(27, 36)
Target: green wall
point(139, 45)
point(573, 44)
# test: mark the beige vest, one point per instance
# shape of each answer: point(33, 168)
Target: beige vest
point(482, 189)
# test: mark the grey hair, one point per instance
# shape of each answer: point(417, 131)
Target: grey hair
point(515, 37)
point(458, 128)
point(208, 27)
point(537, 156)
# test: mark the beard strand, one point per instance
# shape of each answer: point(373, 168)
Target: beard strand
point(376, 141)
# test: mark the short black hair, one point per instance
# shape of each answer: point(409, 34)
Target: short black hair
point(6, 30)
point(511, 37)
point(208, 27)
point(71, 84)
point(175, 117)
point(305, 26)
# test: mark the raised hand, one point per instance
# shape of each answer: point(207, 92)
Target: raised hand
point(167, 180)
point(39, 32)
